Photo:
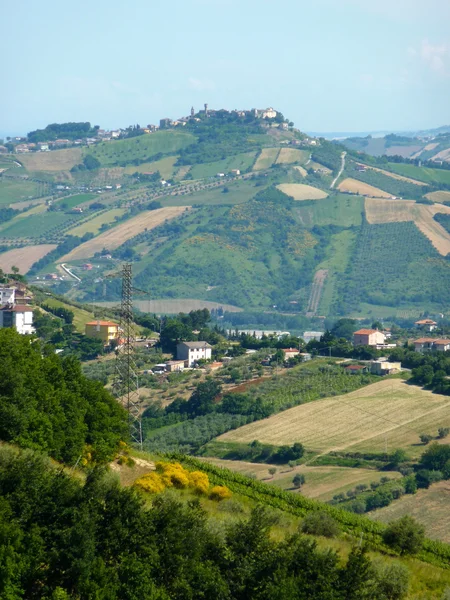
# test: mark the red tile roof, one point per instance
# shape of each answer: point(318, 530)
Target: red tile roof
point(355, 367)
point(366, 331)
point(424, 340)
point(17, 308)
point(425, 322)
point(109, 323)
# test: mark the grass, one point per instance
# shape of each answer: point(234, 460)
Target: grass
point(143, 147)
point(362, 421)
point(95, 224)
point(425, 174)
point(429, 507)
point(36, 225)
point(16, 190)
point(338, 209)
point(301, 191)
point(439, 196)
point(266, 158)
point(239, 191)
point(56, 160)
point(240, 161)
point(165, 166)
point(72, 201)
point(81, 316)
point(24, 258)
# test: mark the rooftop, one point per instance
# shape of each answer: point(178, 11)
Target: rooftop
point(17, 308)
point(366, 331)
point(105, 323)
point(426, 322)
point(195, 344)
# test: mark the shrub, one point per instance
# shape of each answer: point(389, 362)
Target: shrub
point(357, 506)
point(199, 482)
point(298, 480)
point(151, 482)
point(425, 478)
point(320, 523)
point(443, 432)
point(446, 594)
point(392, 582)
point(405, 535)
point(425, 438)
point(219, 493)
point(410, 484)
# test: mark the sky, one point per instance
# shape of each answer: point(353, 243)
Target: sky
point(327, 65)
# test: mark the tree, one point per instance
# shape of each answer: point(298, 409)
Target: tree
point(443, 432)
point(15, 270)
point(392, 582)
point(272, 471)
point(203, 398)
point(397, 457)
point(344, 328)
point(405, 535)
point(320, 523)
point(298, 480)
point(91, 163)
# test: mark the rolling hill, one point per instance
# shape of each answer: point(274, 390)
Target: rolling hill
point(262, 226)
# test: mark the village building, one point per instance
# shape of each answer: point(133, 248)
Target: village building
point(426, 325)
point(431, 345)
point(355, 369)
point(308, 336)
point(191, 352)
point(175, 366)
point(107, 331)
point(17, 317)
point(290, 353)
point(384, 367)
point(368, 337)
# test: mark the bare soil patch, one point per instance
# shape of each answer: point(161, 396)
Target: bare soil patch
point(115, 237)
point(24, 258)
point(361, 188)
point(56, 160)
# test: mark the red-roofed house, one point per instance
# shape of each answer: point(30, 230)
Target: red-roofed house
point(290, 353)
point(368, 337)
point(355, 369)
point(431, 344)
point(107, 331)
point(426, 324)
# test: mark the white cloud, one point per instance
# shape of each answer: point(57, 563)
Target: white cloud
point(436, 56)
point(201, 85)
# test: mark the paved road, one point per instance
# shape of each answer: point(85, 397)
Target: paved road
point(340, 170)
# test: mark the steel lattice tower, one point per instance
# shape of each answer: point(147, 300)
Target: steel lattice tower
point(126, 384)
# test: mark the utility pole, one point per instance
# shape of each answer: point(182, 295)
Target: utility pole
point(126, 385)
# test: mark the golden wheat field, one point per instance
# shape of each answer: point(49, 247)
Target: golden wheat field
point(266, 158)
point(303, 172)
point(56, 160)
point(23, 258)
point(361, 188)
point(292, 155)
point(354, 421)
point(118, 235)
point(395, 211)
point(440, 196)
point(301, 191)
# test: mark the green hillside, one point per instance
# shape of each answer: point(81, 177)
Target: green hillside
point(425, 174)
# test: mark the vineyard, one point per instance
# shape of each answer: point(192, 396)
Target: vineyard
point(398, 266)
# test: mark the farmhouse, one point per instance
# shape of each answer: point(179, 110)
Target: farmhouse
point(368, 337)
point(431, 345)
point(191, 352)
point(426, 325)
point(355, 369)
point(107, 331)
point(18, 317)
point(175, 366)
point(290, 353)
point(384, 367)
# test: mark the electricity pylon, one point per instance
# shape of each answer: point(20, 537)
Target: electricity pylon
point(126, 384)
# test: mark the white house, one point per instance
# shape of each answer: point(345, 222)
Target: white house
point(7, 295)
point(191, 352)
point(19, 317)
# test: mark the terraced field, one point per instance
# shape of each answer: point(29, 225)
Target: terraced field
point(24, 258)
point(395, 211)
point(361, 188)
point(300, 191)
point(115, 237)
point(353, 422)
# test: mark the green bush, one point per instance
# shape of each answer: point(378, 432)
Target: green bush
point(320, 523)
point(392, 582)
point(405, 535)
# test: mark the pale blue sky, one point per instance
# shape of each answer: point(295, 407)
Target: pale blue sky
point(328, 65)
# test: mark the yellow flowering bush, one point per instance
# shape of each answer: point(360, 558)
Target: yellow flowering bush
point(220, 492)
point(151, 482)
point(175, 475)
point(199, 482)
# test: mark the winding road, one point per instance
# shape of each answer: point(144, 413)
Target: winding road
point(343, 155)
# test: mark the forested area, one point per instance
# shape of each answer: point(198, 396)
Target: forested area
point(47, 404)
point(69, 131)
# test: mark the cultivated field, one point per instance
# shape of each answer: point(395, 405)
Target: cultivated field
point(56, 160)
point(93, 226)
point(292, 155)
point(239, 161)
point(13, 190)
point(395, 211)
point(36, 225)
point(165, 166)
point(266, 158)
point(173, 307)
point(424, 174)
point(322, 483)
point(115, 237)
point(429, 507)
point(439, 196)
point(300, 191)
point(353, 421)
point(315, 165)
point(303, 172)
point(23, 258)
point(396, 176)
point(364, 189)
